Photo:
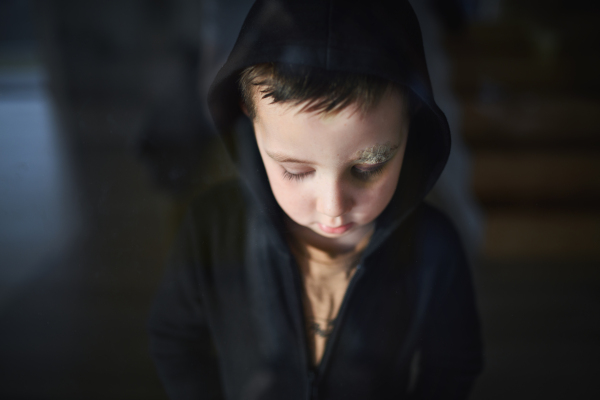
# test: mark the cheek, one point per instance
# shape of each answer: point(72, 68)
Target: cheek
point(374, 200)
point(290, 196)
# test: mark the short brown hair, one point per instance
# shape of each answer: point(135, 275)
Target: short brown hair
point(322, 90)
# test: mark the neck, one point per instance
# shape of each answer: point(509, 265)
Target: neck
point(321, 257)
point(333, 246)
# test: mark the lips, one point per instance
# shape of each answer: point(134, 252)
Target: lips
point(336, 230)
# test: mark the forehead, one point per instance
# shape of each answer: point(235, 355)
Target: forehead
point(289, 129)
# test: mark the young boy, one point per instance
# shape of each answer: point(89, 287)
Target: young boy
point(319, 272)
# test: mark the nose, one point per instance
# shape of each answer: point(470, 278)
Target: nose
point(333, 200)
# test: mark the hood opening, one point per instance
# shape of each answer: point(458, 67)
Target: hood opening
point(383, 40)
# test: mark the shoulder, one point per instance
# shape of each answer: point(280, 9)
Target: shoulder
point(441, 272)
point(222, 200)
point(435, 231)
point(438, 251)
point(216, 217)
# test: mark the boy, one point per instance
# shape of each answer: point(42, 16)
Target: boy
point(319, 273)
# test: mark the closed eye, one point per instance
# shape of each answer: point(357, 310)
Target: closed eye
point(295, 177)
point(369, 172)
point(362, 173)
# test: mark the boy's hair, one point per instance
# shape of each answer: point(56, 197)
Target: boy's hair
point(320, 90)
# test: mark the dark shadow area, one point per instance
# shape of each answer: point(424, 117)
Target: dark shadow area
point(530, 103)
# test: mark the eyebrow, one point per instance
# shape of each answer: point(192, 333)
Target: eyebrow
point(282, 158)
point(376, 154)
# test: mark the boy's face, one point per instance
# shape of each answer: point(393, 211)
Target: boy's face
point(332, 174)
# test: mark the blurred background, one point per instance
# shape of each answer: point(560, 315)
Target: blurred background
point(104, 138)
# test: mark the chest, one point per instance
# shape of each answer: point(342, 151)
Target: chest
point(261, 320)
point(322, 300)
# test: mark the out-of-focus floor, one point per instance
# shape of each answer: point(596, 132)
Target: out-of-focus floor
point(541, 330)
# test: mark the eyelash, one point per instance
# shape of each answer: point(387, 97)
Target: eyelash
point(362, 175)
point(295, 177)
point(367, 175)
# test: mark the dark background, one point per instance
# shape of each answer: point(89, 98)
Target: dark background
point(102, 137)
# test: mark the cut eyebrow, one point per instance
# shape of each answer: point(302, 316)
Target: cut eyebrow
point(376, 154)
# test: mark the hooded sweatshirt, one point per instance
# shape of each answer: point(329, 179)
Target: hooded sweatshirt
point(228, 320)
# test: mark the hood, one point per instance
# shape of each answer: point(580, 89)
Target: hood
point(379, 37)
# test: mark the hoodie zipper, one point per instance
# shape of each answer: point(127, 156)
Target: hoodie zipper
point(340, 319)
point(312, 386)
point(311, 389)
point(313, 376)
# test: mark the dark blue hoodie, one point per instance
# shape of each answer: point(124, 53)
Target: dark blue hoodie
point(228, 320)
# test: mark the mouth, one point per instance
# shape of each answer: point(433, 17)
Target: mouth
point(336, 230)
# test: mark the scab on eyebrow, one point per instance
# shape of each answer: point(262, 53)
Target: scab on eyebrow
point(376, 154)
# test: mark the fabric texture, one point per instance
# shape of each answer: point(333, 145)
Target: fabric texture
point(228, 322)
